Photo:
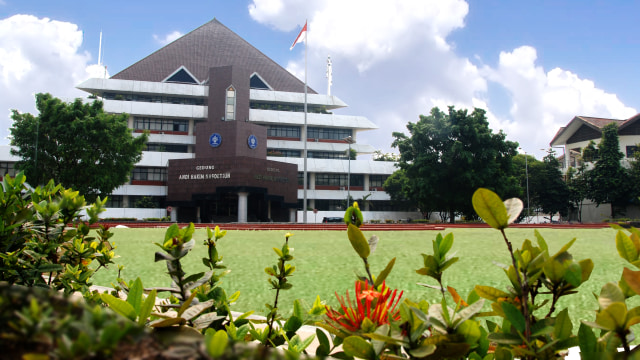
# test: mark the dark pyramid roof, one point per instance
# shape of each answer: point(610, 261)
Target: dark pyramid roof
point(211, 45)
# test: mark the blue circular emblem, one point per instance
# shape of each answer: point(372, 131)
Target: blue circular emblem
point(215, 139)
point(252, 141)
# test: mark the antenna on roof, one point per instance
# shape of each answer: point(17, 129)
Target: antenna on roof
point(100, 50)
point(329, 75)
point(100, 56)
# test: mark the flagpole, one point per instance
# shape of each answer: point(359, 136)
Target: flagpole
point(304, 131)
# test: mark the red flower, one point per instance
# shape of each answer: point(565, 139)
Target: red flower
point(377, 306)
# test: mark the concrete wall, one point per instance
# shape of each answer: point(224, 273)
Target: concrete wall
point(368, 215)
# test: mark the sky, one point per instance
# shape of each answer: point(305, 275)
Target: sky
point(531, 65)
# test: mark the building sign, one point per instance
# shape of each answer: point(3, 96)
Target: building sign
point(206, 175)
point(252, 141)
point(215, 139)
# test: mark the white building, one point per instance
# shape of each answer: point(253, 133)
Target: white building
point(226, 127)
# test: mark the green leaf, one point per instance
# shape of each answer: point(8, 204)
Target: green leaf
point(563, 327)
point(470, 330)
point(573, 274)
point(507, 339)
point(135, 295)
point(587, 340)
point(490, 208)
point(356, 346)
point(445, 245)
point(120, 306)
point(323, 341)
point(147, 307)
point(293, 324)
point(172, 231)
point(587, 267)
point(553, 270)
point(384, 273)
point(625, 246)
point(514, 316)
point(490, 293)
point(216, 344)
point(358, 241)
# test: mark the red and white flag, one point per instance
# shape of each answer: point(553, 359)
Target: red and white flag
point(301, 37)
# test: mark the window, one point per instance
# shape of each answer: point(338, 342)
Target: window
point(283, 153)
point(316, 109)
point(327, 155)
point(377, 180)
point(160, 124)
point(256, 82)
point(154, 98)
point(357, 180)
point(175, 148)
point(283, 131)
point(631, 149)
point(330, 205)
point(231, 104)
point(149, 202)
point(324, 179)
point(182, 76)
point(114, 201)
point(149, 174)
point(7, 168)
point(328, 133)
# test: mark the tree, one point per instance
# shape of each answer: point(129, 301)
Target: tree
point(608, 180)
point(448, 156)
point(578, 187)
point(75, 144)
point(550, 192)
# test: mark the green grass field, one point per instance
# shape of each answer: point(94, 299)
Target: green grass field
point(326, 263)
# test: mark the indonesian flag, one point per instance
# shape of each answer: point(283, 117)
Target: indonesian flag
point(301, 37)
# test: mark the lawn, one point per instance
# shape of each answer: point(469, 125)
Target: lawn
point(326, 263)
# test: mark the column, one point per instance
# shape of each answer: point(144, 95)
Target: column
point(198, 220)
point(312, 181)
point(242, 206)
point(292, 215)
point(174, 214)
point(269, 210)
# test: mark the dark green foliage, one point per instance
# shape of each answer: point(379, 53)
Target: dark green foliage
point(37, 248)
point(448, 155)
point(76, 144)
point(608, 181)
point(548, 190)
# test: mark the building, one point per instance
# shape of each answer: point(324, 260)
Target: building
point(577, 134)
point(226, 138)
point(581, 130)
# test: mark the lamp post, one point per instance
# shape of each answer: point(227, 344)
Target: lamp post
point(526, 169)
point(349, 140)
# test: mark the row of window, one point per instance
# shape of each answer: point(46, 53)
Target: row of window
point(327, 179)
point(160, 124)
point(136, 201)
point(316, 109)
point(374, 205)
point(312, 132)
point(175, 148)
point(182, 100)
point(310, 154)
point(149, 174)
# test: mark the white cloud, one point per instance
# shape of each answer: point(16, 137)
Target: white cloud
point(393, 61)
point(38, 55)
point(171, 37)
point(543, 101)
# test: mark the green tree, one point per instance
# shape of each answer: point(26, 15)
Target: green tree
point(550, 192)
point(76, 144)
point(608, 180)
point(578, 187)
point(447, 156)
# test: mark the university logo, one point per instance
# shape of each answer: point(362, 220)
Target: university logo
point(252, 141)
point(215, 139)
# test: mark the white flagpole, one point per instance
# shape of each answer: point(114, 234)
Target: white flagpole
point(304, 131)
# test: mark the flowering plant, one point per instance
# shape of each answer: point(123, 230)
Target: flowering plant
point(367, 311)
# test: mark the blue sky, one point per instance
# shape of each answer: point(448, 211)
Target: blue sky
point(531, 65)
